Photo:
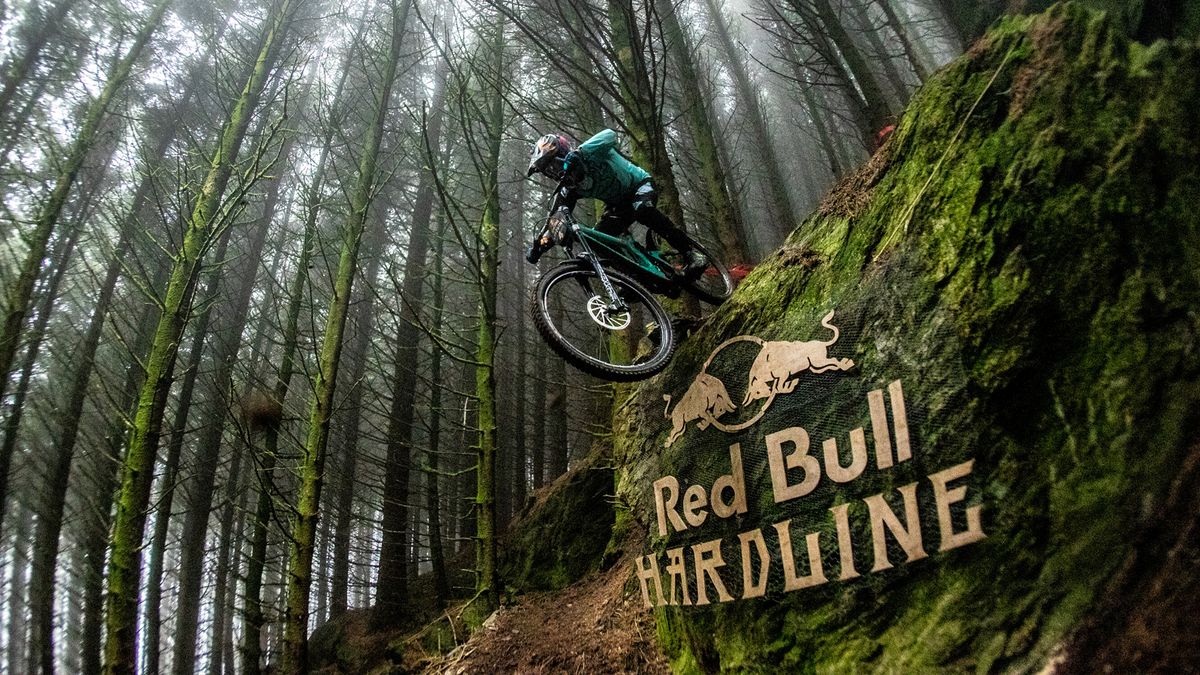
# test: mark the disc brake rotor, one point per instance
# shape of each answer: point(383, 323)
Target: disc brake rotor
point(598, 309)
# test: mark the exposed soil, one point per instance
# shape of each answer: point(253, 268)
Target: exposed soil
point(595, 626)
point(853, 192)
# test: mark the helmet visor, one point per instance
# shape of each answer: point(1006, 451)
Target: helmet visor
point(546, 157)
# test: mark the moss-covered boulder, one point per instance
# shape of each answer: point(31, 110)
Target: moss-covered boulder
point(563, 532)
point(1008, 385)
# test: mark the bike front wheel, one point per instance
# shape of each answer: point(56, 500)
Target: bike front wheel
point(575, 316)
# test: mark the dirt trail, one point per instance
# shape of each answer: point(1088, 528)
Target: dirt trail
point(594, 626)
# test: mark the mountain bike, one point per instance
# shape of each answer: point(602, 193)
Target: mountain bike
point(598, 310)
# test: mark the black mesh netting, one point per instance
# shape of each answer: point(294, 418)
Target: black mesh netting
point(880, 332)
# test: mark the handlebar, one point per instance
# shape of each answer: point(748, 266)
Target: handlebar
point(540, 244)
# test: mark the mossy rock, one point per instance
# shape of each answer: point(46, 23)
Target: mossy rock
point(563, 532)
point(1024, 257)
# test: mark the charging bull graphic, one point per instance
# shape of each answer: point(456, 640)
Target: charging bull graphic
point(778, 363)
point(705, 400)
point(776, 370)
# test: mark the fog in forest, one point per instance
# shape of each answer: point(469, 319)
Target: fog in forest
point(266, 352)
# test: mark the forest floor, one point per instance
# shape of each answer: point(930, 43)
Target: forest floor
point(597, 625)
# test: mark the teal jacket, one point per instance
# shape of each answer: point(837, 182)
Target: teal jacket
point(607, 175)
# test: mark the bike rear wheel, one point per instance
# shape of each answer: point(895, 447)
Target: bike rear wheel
point(714, 285)
point(570, 309)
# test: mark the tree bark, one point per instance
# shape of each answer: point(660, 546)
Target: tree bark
point(391, 585)
point(18, 591)
point(16, 302)
point(312, 460)
point(170, 473)
point(557, 449)
point(137, 471)
point(362, 325)
point(441, 584)
point(724, 216)
point(12, 424)
point(225, 343)
point(640, 103)
point(520, 468)
point(487, 582)
point(876, 106)
point(56, 477)
point(17, 71)
point(255, 566)
point(910, 45)
point(783, 211)
point(50, 514)
point(226, 558)
point(882, 57)
point(816, 112)
point(537, 435)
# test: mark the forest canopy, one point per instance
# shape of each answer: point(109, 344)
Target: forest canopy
point(265, 357)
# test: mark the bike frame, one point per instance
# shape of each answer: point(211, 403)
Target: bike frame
point(624, 252)
point(648, 267)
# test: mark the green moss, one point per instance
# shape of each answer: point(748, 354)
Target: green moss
point(1026, 262)
point(568, 534)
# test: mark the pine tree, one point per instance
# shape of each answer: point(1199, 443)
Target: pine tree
point(312, 461)
point(202, 225)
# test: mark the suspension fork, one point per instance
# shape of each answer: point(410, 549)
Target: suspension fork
point(615, 303)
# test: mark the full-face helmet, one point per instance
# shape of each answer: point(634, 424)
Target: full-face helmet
point(547, 155)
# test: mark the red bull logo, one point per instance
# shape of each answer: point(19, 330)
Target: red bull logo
point(778, 369)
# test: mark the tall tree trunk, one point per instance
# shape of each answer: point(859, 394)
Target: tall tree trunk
point(170, 473)
point(255, 566)
point(16, 413)
point(487, 582)
point(14, 131)
point(879, 56)
point(640, 102)
point(556, 412)
point(468, 438)
point(361, 328)
point(226, 558)
point(391, 585)
point(18, 590)
point(876, 106)
point(724, 216)
point(957, 16)
point(867, 116)
point(519, 455)
point(322, 548)
point(51, 510)
point(225, 343)
point(16, 302)
point(81, 378)
point(312, 460)
point(816, 112)
point(115, 441)
point(783, 211)
point(13, 421)
point(28, 53)
point(57, 468)
point(537, 434)
point(96, 539)
point(85, 353)
point(910, 45)
point(137, 472)
point(441, 585)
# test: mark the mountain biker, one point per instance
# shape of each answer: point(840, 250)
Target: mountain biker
point(596, 169)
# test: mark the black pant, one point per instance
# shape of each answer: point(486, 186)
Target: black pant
point(617, 218)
